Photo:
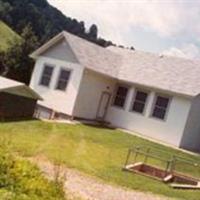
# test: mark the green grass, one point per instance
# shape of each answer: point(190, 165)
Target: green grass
point(96, 151)
point(6, 36)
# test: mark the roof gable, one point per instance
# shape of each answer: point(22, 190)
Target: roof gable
point(89, 55)
point(93, 56)
point(62, 51)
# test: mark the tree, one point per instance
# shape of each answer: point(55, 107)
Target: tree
point(46, 20)
point(132, 48)
point(3, 68)
point(16, 62)
point(93, 32)
point(5, 8)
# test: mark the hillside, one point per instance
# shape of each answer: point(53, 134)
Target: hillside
point(6, 36)
point(46, 20)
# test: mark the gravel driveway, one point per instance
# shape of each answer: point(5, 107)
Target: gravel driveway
point(77, 184)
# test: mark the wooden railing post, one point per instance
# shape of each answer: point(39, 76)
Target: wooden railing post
point(136, 153)
point(147, 155)
point(127, 158)
point(173, 163)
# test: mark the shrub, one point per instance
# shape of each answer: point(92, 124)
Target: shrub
point(21, 180)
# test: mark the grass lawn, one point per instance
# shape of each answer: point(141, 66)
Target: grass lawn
point(6, 36)
point(96, 151)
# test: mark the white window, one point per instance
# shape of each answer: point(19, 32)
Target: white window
point(63, 79)
point(46, 75)
point(139, 101)
point(161, 107)
point(120, 96)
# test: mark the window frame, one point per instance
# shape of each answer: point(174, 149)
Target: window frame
point(115, 94)
point(145, 103)
point(41, 76)
point(58, 79)
point(166, 110)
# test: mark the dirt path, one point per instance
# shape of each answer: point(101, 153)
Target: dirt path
point(78, 185)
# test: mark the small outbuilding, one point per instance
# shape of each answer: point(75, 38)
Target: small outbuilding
point(16, 100)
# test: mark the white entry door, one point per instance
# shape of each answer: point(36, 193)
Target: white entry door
point(103, 105)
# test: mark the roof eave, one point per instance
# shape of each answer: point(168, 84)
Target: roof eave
point(186, 95)
point(45, 46)
point(31, 91)
point(35, 94)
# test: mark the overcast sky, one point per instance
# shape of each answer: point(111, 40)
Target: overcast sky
point(169, 26)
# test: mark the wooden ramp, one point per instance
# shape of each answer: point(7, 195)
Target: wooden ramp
point(139, 160)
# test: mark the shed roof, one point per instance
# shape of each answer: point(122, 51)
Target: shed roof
point(17, 88)
point(7, 83)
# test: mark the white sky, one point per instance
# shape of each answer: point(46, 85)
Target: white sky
point(169, 26)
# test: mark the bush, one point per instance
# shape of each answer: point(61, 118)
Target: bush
point(20, 180)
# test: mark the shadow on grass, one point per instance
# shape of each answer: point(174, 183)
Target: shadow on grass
point(21, 119)
point(98, 125)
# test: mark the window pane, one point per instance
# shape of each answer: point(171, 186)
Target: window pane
point(63, 79)
point(159, 113)
point(122, 91)
point(139, 102)
point(46, 75)
point(64, 74)
point(119, 101)
point(141, 96)
point(120, 96)
point(45, 81)
point(162, 101)
point(138, 107)
point(61, 85)
point(48, 70)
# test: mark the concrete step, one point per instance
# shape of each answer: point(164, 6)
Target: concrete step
point(185, 186)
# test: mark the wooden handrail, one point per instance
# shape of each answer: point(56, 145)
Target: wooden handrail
point(170, 163)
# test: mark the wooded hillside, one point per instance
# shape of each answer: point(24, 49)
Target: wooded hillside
point(46, 21)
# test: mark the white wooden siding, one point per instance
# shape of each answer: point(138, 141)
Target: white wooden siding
point(191, 136)
point(169, 130)
point(60, 101)
point(92, 86)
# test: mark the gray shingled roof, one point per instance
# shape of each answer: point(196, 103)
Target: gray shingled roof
point(93, 56)
point(173, 74)
point(177, 75)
